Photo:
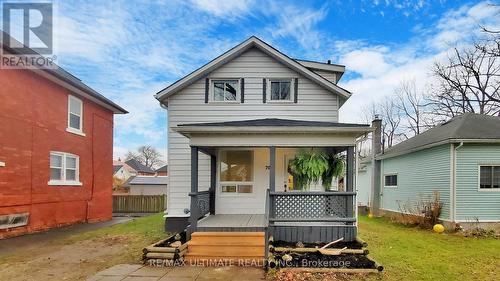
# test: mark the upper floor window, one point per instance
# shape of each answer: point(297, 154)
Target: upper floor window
point(281, 89)
point(75, 115)
point(225, 90)
point(391, 180)
point(64, 169)
point(489, 177)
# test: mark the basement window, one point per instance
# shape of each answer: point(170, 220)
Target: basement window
point(13, 220)
point(64, 169)
point(391, 180)
point(489, 177)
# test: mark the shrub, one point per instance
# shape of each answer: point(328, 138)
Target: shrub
point(424, 212)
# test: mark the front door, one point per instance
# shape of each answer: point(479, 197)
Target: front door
point(242, 181)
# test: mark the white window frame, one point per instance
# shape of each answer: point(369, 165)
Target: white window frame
point(269, 94)
point(397, 179)
point(479, 178)
point(69, 128)
point(63, 180)
point(212, 90)
point(236, 183)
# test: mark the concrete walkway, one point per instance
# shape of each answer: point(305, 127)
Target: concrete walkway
point(131, 272)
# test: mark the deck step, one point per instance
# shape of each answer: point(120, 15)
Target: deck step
point(234, 246)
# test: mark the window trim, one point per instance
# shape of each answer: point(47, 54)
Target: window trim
point(391, 186)
point(479, 177)
point(236, 183)
point(292, 90)
point(211, 91)
point(63, 180)
point(69, 128)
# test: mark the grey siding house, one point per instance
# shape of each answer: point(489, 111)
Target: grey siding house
point(459, 159)
point(233, 126)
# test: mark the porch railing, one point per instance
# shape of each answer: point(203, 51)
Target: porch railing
point(312, 207)
point(200, 206)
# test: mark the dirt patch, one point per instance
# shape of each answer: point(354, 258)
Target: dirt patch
point(306, 276)
point(76, 261)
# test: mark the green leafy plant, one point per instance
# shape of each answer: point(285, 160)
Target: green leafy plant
point(312, 166)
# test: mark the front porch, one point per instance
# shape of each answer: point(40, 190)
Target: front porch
point(233, 222)
point(251, 189)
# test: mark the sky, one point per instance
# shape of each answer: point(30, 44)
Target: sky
point(129, 50)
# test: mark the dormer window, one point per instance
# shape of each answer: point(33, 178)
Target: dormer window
point(226, 90)
point(75, 116)
point(280, 90)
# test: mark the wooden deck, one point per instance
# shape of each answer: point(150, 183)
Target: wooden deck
point(250, 223)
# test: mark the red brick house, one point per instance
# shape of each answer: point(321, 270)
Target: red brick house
point(56, 149)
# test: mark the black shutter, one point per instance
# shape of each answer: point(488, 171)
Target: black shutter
point(295, 90)
point(207, 87)
point(242, 90)
point(264, 90)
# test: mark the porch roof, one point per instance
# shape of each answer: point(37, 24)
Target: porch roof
point(273, 125)
point(272, 132)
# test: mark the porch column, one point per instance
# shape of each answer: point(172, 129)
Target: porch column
point(213, 182)
point(272, 168)
point(350, 180)
point(193, 214)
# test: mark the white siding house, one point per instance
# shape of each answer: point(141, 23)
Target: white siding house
point(233, 126)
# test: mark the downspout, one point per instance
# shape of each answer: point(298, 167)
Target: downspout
point(453, 194)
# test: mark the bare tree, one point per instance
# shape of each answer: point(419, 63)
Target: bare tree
point(391, 119)
point(468, 82)
point(146, 155)
point(412, 104)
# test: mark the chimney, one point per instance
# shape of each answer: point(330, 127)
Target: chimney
point(329, 62)
point(377, 135)
point(376, 166)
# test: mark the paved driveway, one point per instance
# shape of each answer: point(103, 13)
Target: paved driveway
point(130, 272)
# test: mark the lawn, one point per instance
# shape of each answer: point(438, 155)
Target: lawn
point(409, 253)
point(77, 256)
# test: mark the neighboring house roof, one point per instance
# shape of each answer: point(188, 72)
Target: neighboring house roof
point(125, 166)
point(164, 168)
point(116, 168)
point(136, 165)
point(149, 180)
point(67, 80)
point(468, 127)
point(239, 49)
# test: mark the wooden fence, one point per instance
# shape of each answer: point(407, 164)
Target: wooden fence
point(139, 203)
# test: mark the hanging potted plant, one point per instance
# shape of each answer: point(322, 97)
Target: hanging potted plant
point(309, 167)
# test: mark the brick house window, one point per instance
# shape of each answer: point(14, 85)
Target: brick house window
point(64, 169)
point(75, 116)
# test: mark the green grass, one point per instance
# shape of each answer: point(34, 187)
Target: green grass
point(150, 228)
point(409, 253)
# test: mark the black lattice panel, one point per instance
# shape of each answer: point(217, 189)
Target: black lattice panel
point(310, 206)
point(203, 203)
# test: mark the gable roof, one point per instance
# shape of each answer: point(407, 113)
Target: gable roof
point(62, 77)
point(163, 168)
point(136, 165)
point(239, 49)
point(469, 127)
point(149, 180)
point(116, 168)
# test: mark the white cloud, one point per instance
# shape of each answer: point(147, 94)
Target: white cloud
point(381, 69)
point(298, 23)
point(224, 8)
